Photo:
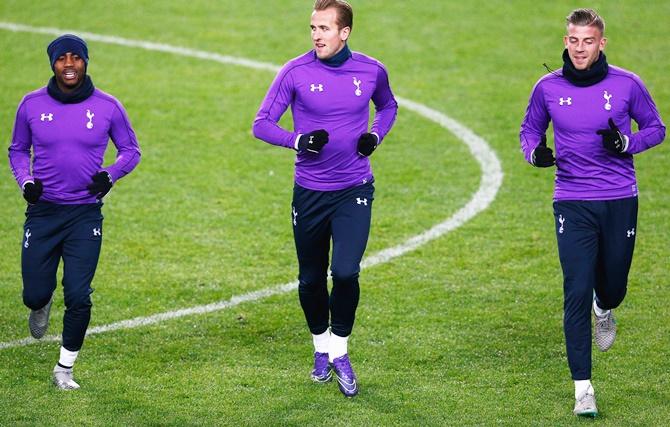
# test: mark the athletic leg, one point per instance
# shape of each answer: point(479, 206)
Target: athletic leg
point(81, 250)
point(351, 228)
point(577, 236)
point(617, 242)
point(311, 233)
point(40, 254)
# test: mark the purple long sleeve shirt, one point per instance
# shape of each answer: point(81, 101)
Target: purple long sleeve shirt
point(585, 170)
point(336, 99)
point(69, 143)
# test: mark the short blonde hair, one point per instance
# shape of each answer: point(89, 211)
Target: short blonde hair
point(586, 18)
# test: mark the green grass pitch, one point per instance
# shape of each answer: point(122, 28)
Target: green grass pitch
point(465, 330)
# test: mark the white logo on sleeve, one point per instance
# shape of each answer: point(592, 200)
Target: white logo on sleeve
point(90, 116)
point(47, 117)
point(28, 234)
point(565, 101)
point(630, 233)
point(97, 232)
point(362, 201)
point(561, 220)
point(358, 91)
point(316, 87)
point(607, 97)
point(295, 216)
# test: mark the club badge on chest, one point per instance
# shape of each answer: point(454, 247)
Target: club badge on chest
point(89, 115)
point(357, 83)
point(607, 97)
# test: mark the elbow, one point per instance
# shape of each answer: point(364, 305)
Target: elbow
point(662, 132)
point(256, 129)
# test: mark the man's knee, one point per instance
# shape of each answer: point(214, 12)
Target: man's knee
point(309, 285)
point(611, 300)
point(78, 303)
point(312, 277)
point(35, 300)
point(347, 274)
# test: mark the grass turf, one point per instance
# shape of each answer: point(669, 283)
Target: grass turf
point(464, 331)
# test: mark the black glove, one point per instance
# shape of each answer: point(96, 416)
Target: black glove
point(613, 140)
point(101, 184)
point(313, 141)
point(32, 191)
point(367, 144)
point(542, 156)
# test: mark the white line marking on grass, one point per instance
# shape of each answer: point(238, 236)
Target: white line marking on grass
point(157, 47)
point(489, 185)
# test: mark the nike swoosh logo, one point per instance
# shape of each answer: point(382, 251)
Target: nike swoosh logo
point(349, 386)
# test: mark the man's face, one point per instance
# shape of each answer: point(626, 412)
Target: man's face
point(584, 45)
point(69, 70)
point(326, 37)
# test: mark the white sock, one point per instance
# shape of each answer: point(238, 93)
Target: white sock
point(67, 357)
point(599, 311)
point(338, 346)
point(583, 386)
point(321, 342)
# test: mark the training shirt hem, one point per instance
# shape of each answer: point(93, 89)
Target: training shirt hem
point(333, 186)
point(604, 195)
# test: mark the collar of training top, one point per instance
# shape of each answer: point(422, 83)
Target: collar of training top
point(339, 58)
point(583, 78)
point(78, 95)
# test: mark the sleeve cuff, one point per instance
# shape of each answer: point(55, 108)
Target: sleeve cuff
point(23, 184)
point(111, 175)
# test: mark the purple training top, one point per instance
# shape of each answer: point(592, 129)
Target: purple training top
point(336, 99)
point(69, 143)
point(584, 169)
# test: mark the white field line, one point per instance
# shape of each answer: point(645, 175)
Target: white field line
point(489, 185)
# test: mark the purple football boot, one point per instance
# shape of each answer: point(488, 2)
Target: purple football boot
point(321, 372)
point(346, 379)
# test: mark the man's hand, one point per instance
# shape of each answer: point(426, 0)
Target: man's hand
point(542, 156)
point(32, 191)
point(367, 144)
point(312, 142)
point(613, 140)
point(100, 185)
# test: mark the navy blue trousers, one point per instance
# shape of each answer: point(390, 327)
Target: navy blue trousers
point(318, 217)
point(72, 233)
point(596, 240)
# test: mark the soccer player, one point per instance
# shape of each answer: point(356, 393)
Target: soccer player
point(329, 90)
point(68, 125)
point(591, 105)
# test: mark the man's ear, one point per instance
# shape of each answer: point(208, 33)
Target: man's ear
point(345, 33)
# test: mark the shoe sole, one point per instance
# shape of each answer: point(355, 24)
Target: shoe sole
point(63, 386)
point(591, 414)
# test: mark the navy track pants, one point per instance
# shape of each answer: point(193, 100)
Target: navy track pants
point(72, 233)
point(319, 216)
point(596, 240)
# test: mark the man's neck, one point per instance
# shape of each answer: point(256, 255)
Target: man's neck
point(339, 58)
